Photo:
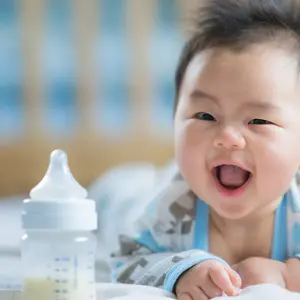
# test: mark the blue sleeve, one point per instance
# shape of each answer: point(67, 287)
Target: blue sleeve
point(178, 269)
point(144, 262)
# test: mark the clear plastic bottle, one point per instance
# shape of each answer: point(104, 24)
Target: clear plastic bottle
point(58, 247)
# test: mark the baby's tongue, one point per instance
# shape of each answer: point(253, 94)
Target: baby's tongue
point(232, 176)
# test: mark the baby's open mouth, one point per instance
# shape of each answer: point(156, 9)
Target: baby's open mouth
point(231, 177)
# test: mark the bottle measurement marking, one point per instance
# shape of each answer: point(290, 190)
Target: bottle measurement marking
point(61, 281)
point(58, 291)
point(62, 270)
point(62, 259)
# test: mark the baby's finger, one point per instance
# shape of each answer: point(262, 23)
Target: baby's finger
point(221, 278)
point(234, 277)
point(210, 288)
point(198, 294)
point(184, 296)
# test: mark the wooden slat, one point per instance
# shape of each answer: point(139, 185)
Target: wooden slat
point(140, 16)
point(32, 28)
point(85, 27)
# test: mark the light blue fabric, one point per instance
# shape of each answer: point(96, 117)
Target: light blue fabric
point(146, 240)
point(201, 226)
point(293, 220)
point(279, 247)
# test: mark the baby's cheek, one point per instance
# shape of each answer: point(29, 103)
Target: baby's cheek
point(281, 156)
point(275, 171)
point(190, 165)
point(189, 154)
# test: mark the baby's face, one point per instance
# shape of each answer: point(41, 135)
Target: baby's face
point(237, 128)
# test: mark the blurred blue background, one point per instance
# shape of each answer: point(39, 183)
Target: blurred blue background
point(92, 77)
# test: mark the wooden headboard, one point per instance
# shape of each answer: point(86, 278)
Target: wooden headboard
point(24, 160)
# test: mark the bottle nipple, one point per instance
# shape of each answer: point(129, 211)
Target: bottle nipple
point(58, 183)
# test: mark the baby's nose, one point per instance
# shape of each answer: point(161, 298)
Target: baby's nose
point(229, 138)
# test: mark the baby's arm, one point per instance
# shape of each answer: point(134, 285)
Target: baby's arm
point(258, 270)
point(292, 276)
point(143, 258)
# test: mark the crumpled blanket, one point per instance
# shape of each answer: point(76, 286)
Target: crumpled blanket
point(121, 194)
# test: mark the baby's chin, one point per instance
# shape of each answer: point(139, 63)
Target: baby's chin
point(236, 212)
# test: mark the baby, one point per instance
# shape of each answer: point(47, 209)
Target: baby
point(228, 219)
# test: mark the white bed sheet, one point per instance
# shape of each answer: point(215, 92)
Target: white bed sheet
point(10, 235)
point(122, 292)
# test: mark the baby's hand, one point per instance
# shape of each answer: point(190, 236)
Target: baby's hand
point(258, 270)
point(208, 280)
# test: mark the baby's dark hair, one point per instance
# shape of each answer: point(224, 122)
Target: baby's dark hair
point(236, 24)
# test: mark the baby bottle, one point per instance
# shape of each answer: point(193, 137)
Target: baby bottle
point(58, 246)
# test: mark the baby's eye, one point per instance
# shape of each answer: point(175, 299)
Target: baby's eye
point(259, 122)
point(204, 116)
